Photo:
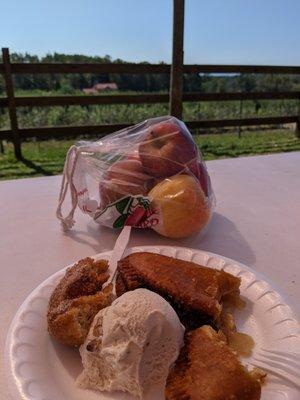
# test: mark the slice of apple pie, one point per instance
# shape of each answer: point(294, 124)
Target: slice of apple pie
point(194, 291)
point(207, 369)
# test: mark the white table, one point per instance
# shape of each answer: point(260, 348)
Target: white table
point(256, 222)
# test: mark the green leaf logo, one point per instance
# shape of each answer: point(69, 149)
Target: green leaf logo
point(122, 204)
point(144, 203)
point(119, 222)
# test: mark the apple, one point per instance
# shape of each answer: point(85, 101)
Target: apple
point(181, 205)
point(166, 149)
point(199, 170)
point(123, 178)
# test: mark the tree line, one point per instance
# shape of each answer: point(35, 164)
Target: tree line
point(72, 83)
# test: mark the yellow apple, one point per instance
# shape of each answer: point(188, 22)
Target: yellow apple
point(181, 205)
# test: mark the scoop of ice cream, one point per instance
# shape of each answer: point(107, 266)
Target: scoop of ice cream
point(131, 344)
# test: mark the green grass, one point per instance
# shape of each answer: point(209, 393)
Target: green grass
point(47, 157)
point(119, 113)
point(251, 143)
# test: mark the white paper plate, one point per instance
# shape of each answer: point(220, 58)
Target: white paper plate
point(38, 368)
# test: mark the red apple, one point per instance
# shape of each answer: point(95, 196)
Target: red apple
point(123, 178)
point(166, 149)
point(200, 172)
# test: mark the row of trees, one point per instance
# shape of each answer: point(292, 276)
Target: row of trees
point(70, 83)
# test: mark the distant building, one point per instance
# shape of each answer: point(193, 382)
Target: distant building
point(89, 90)
point(106, 86)
point(100, 87)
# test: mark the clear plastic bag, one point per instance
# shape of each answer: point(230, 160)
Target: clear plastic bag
point(150, 175)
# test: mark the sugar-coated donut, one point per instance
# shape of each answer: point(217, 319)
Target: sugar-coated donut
point(77, 299)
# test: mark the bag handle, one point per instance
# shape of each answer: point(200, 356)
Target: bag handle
point(67, 182)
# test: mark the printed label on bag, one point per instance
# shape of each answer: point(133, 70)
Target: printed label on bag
point(130, 210)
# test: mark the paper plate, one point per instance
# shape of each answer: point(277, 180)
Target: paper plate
point(38, 368)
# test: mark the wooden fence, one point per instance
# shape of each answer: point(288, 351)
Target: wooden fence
point(16, 134)
point(175, 97)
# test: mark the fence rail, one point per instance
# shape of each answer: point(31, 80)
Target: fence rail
point(48, 101)
point(131, 68)
point(102, 130)
point(12, 102)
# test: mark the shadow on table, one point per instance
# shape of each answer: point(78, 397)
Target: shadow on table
point(222, 237)
point(94, 236)
point(36, 168)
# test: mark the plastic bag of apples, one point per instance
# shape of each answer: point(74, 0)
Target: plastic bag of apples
point(150, 175)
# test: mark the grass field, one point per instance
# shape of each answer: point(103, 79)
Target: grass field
point(119, 113)
point(47, 157)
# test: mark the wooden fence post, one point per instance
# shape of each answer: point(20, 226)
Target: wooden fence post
point(297, 131)
point(11, 103)
point(176, 79)
point(240, 116)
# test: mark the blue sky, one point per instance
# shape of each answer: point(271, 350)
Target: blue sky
point(216, 31)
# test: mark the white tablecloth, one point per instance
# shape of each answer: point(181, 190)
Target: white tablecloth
point(256, 222)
